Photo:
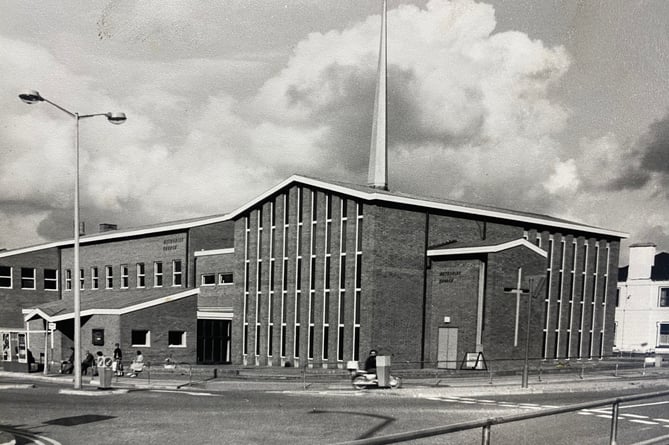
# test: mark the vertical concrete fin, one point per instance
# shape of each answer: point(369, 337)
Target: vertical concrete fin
point(378, 159)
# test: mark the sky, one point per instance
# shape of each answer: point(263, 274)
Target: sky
point(553, 107)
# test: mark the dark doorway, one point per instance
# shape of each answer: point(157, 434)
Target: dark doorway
point(213, 341)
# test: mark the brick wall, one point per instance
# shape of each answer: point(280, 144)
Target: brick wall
point(13, 300)
point(147, 249)
point(179, 315)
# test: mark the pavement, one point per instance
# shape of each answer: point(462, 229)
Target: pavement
point(415, 383)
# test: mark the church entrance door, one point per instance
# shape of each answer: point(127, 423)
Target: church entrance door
point(447, 349)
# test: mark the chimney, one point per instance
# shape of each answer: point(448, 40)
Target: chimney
point(642, 260)
point(105, 227)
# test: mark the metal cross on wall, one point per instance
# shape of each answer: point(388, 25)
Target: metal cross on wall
point(518, 290)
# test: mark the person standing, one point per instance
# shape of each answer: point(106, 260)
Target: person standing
point(118, 360)
point(88, 362)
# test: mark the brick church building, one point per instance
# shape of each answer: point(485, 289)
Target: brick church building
point(316, 273)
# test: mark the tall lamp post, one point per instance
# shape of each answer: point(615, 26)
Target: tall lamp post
point(32, 97)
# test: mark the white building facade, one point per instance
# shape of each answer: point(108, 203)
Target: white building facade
point(642, 302)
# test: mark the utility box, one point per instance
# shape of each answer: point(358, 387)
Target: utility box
point(105, 372)
point(383, 370)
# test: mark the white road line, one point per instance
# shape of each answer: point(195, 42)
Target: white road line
point(662, 420)
point(644, 404)
point(487, 401)
point(32, 438)
point(645, 422)
point(636, 416)
point(203, 394)
point(585, 413)
point(603, 416)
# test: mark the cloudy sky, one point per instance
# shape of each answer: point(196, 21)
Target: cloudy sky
point(555, 107)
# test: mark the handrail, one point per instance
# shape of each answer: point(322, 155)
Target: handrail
point(487, 423)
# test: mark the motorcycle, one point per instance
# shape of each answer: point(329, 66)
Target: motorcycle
point(362, 380)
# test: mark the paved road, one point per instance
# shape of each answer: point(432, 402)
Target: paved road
point(44, 414)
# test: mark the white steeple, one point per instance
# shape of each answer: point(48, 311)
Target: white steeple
point(378, 158)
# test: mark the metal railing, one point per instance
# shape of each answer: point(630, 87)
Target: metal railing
point(486, 424)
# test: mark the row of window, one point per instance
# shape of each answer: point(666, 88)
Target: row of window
point(142, 338)
point(209, 279)
point(29, 277)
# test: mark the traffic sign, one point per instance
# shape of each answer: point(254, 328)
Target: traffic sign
point(52, 326)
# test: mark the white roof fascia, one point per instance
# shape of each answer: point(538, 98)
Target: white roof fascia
point(116, 234)
point(214, 315)
point(136, 307)
point(488, 249)
point(375, 196)
point(215, 252)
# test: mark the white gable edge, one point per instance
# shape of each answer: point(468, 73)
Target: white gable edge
point(116, 234)
point(488, 249)
point(371, 196)
point(214, 252)
point(30, 313)
point(375, 196)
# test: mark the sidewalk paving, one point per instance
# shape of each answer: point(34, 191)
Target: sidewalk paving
point(418, 383)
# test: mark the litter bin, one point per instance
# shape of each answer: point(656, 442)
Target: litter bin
point(383, 370)
point(105, 373)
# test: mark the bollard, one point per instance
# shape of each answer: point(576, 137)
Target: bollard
point(581, 372)
point(540, 369)
point(616, 372)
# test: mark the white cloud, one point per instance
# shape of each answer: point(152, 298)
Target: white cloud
point(472, 116)
point(564, 179)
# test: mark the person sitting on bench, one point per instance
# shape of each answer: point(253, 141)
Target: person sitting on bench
point(137, 365)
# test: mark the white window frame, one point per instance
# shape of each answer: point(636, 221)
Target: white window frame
point(659, 296)
point(11, 280)
point(68, 279)
point(82, 279)
point(211, 275)
point(661, 343)
point(183, 343)
point(157, 274)
point(125, 276)
point(141, 275)
point(34, 280)
point(147, 338)
point(176, 273)
point(226, 283)
point(109, 277)
point(95, 278)
point(51, 280)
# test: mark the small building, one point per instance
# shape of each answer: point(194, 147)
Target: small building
point(642, 302)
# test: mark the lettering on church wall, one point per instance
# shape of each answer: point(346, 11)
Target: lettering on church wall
point(172, 243)
point(449, 276)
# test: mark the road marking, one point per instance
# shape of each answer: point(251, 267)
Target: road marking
point(645, 422)
point(644, 404)
point(636, 416)
point(32, 438)
point(661, 420)
point(176, 391)
point(604, 416)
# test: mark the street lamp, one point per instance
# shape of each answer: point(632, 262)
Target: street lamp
point(32, 97)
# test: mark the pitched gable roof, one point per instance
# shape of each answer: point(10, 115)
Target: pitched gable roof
point(372, 195)
point(122, 303)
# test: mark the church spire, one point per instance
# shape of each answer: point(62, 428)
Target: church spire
point(378, 158)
